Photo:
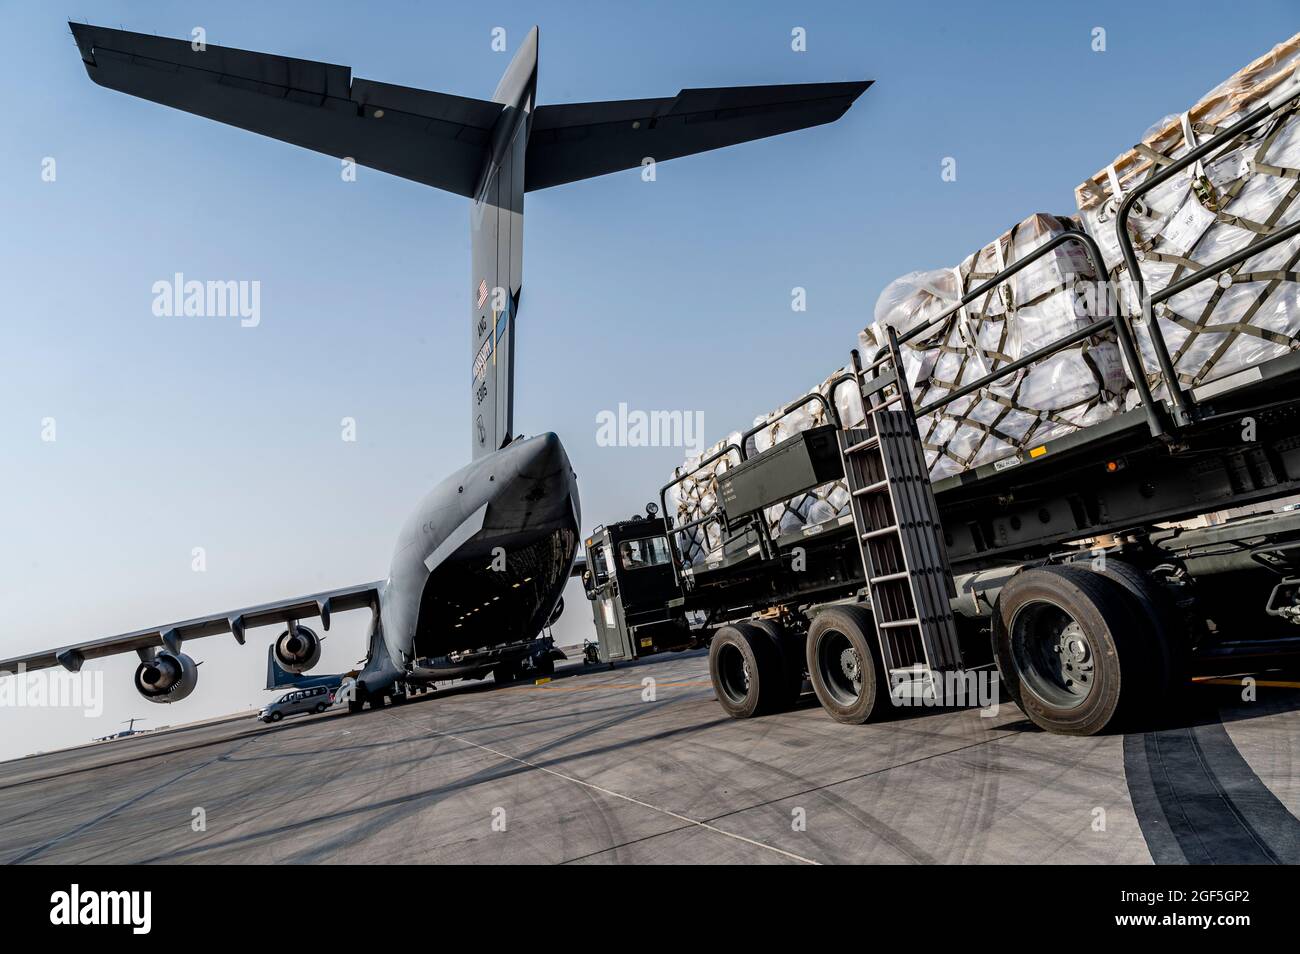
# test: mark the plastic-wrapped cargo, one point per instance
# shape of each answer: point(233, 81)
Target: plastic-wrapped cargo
point(1044, 302)
point(1213, 329)
point(1218, 206)
point(820, 503)
point(696, 496)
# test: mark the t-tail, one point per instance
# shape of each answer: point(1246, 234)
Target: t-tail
point(491, 151)
point(277, 677)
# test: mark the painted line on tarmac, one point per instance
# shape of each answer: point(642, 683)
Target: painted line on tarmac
point(628, 798)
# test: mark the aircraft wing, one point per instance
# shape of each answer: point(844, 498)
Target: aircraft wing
point(170, 635)
point(434, 138)
point(579, 140)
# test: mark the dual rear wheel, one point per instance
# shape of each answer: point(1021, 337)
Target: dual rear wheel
point(753, 669)
point(1084, 651)
point(757, 667)
point(1080, 651)
point(844, 665)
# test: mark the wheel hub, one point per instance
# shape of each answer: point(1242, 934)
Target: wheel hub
point(1076, 657)
point(1054, 655)
point(851, 665)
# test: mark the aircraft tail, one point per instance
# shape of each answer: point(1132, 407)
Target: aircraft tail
point(492, 151)
point(277, 677)
point(536, 147)
point(497, 243)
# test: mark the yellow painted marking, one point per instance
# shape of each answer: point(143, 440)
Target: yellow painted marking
point(608, 685)
point(1038, 451)
point(543, 681)
point(1220, 681)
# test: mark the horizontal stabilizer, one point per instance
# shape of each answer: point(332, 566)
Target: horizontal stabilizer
point(580, 140)
point(433, 138)
point(277, 677)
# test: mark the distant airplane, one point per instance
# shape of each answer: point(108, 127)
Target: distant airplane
point(130, 730)
point(480, 564)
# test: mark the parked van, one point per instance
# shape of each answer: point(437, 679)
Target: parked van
point(317, 699)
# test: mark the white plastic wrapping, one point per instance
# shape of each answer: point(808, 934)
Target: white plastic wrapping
point(1213, 329)
point(696, 496)
point(1041, 304)
point(1211, 210)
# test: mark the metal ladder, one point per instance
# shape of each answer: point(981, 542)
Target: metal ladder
point(900, 537)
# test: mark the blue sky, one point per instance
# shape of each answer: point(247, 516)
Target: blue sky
point(181, 433)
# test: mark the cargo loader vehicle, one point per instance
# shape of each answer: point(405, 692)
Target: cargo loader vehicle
point(1097, 572)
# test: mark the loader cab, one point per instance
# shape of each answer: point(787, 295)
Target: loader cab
point(629, 580)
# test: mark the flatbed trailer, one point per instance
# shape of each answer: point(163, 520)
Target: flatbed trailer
point(1075, 567)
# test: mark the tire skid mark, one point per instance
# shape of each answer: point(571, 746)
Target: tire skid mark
point(1199, 802)
point(635, 801)
point(33, 852)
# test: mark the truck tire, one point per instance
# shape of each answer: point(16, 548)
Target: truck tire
point(1068, 650)
point(505, 674)
point(745, 668)
point(844, 665)
point(1167, 658)
point(790, 649)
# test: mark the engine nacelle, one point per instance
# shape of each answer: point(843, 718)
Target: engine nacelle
point(168, 677)
point(297, 649)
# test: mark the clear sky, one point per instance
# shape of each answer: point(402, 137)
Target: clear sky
point(176, 433)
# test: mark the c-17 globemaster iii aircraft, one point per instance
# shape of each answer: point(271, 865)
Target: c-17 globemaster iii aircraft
point(481, 562)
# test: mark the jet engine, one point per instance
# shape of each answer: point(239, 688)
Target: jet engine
point(168, 677)
point(297, 649)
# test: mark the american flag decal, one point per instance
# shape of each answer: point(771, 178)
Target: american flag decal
point(482, 292)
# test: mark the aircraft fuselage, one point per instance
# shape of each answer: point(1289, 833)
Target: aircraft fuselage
point(482, 560)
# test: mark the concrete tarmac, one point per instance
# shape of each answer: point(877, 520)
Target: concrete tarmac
point(593, 767)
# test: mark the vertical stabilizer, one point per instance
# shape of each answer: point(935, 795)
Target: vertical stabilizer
point(496, 225)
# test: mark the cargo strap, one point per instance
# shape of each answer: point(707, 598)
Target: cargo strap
point(980, 335)
point(1271, 279)
point(1265, 281)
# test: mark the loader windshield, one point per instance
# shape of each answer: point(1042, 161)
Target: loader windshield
point(634, 554)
